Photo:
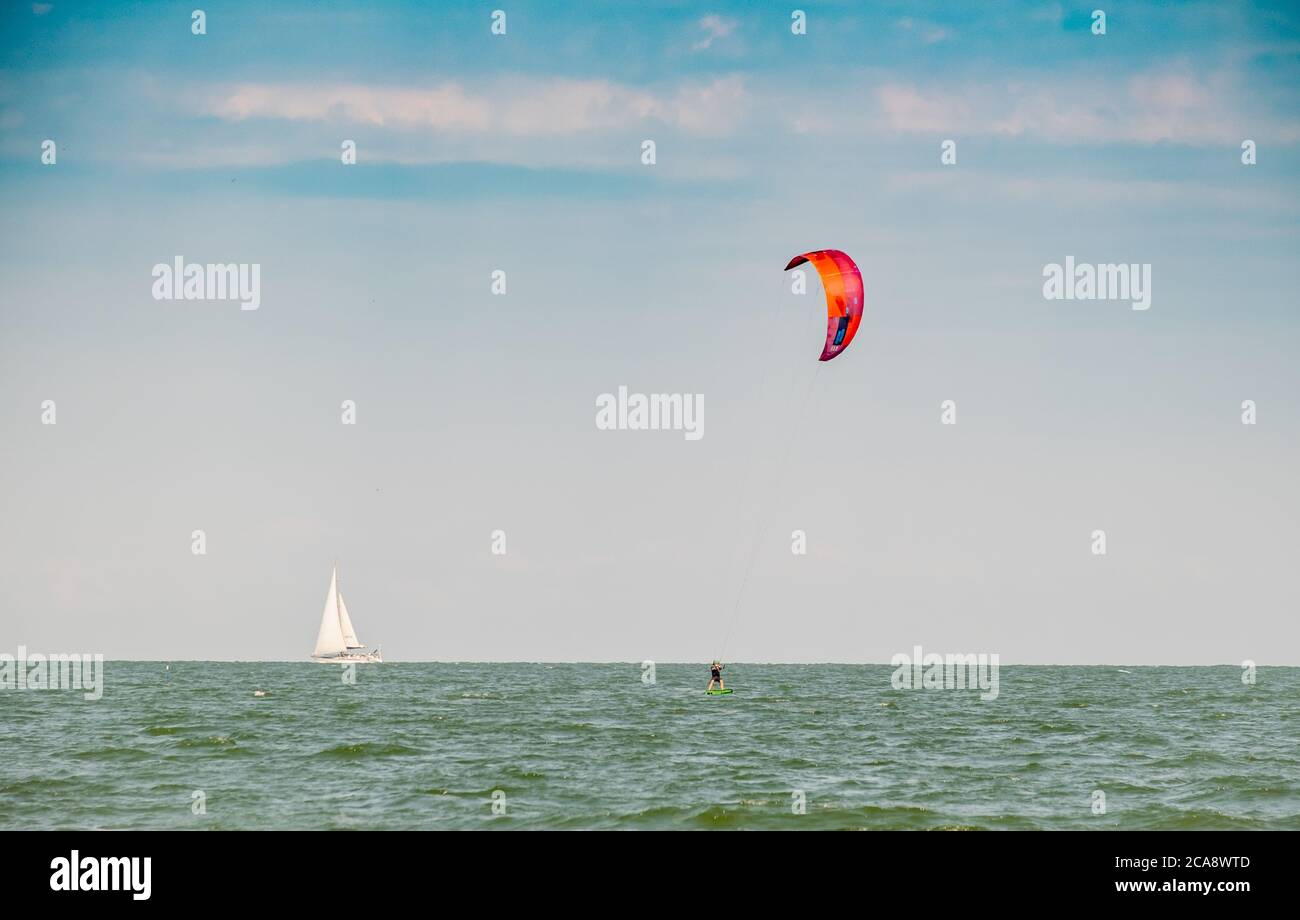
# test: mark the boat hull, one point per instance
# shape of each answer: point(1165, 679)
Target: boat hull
point(374, 658)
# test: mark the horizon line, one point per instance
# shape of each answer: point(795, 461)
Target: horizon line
point(694, 663)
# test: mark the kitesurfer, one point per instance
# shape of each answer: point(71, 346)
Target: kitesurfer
point(715, 676)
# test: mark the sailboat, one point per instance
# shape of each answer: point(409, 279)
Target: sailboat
point(337, 642)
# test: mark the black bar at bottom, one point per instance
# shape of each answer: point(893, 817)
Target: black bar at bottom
point(295, 868)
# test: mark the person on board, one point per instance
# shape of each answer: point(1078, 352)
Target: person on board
point(715, 676)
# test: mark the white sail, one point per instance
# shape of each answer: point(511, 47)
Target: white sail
point(330, 640)
point(345, 624)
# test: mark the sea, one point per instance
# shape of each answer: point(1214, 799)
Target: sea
point(224, 745)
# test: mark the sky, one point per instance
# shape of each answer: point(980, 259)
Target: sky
point(475, 412)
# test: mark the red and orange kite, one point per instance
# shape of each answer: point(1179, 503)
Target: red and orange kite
point(844, 296)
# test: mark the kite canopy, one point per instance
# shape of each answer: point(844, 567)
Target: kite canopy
point(844, 296)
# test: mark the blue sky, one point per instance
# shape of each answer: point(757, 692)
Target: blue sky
point(521, 153)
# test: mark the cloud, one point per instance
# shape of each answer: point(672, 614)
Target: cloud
point(1052, 13)
point(560, 123)
point(511, 107)
point(908, 109)
point(929, 33)
point(715, 28)
point(1080, 194)
point(1177, 106)
point(446, 107)
point(40, 9)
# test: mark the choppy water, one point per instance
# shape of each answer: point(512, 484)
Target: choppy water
point(592, 746)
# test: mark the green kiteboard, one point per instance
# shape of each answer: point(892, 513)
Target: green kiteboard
point(717, 692)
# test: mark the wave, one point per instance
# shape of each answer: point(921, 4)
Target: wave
point(367, 749)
